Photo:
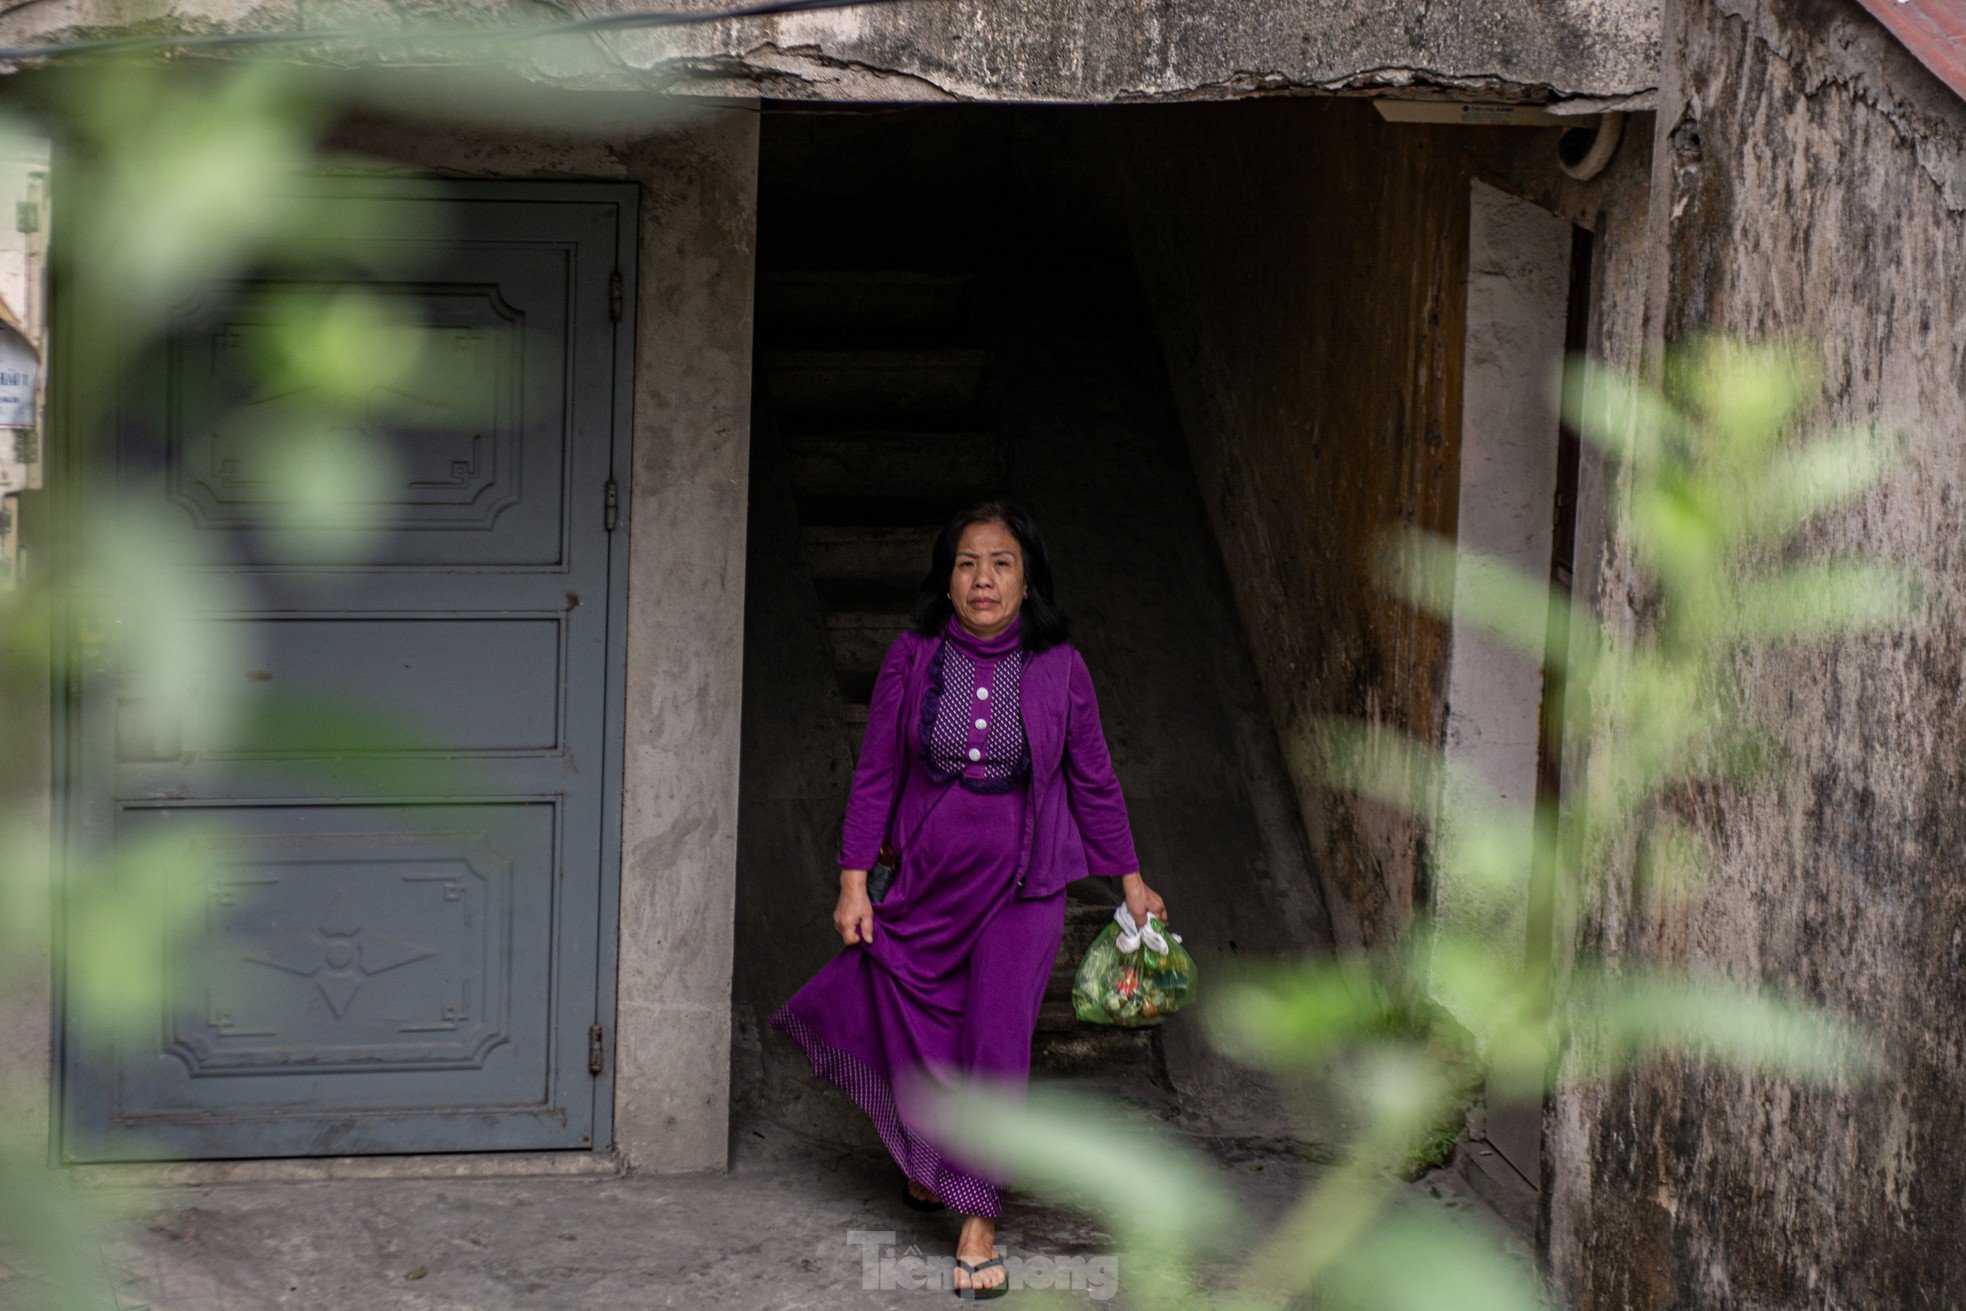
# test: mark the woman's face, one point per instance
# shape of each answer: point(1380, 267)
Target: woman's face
point(987, 584)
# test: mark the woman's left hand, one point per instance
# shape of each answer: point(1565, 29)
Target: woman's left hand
point(1142, 900)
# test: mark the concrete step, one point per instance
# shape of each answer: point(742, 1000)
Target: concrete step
point(1083, 922)
point(1058, 988)
point(1096, 1049)
point(856, 689)
point(1063, 1045)
point(863, 560)
point(860, 639)
point(901, 507)
point(943, 232)
point(1056, 1016)
point(895, 306)
point(1094, 889)
point(1086, 915)
point(937, 466)
point(833, 390)
point(851, 594)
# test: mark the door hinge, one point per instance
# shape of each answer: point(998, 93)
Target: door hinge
point(594, 1051)
point(611, 507)
point(615, 294)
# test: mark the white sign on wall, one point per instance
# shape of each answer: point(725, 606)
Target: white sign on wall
point(23, 316)
point(20, 372)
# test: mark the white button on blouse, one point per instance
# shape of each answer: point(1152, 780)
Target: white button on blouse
point(982, 723)
point(982, 694)
point(974, 754)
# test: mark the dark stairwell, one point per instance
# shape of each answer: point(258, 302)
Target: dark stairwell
point(910, 359)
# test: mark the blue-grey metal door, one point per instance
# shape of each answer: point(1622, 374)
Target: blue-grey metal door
point(407, 946)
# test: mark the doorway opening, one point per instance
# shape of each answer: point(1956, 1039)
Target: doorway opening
point(1220, 350)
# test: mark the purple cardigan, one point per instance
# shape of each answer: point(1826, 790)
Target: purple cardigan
point(1075, 824)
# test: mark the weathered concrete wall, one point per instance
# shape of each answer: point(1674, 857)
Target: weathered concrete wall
point(1081, 51)
point(1092, 51)
point(1811, 181)
point(1306, 263)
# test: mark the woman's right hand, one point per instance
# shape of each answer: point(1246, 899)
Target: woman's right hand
point(853, 916)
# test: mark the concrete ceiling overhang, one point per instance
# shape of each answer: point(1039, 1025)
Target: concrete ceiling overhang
point(1595, 53)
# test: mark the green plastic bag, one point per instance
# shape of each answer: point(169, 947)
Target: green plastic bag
point(1133, 989)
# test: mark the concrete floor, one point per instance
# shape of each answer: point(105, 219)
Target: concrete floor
point(795, 1224)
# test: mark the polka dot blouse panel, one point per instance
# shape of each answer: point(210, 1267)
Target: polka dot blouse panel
point(978, 731)
point(949, 741)
point(1004, 745)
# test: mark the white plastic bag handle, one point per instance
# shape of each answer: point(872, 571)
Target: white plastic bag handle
point(1132, 935)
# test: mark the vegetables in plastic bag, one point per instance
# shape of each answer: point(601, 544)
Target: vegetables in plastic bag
point(1133, 977)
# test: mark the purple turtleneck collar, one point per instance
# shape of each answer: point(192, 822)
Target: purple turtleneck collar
point(985, 648)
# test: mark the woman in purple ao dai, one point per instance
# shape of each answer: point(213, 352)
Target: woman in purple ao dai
point(985, 768)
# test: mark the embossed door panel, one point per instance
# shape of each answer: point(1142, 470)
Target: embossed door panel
point(478, 474)
point(343, 941)
point(407, 883)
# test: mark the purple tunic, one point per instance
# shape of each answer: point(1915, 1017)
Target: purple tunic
point(951, 983)
point(1077, 822)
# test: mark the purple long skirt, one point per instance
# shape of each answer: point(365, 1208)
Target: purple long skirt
point(948, 989)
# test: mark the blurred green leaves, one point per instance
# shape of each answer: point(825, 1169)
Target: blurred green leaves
point(1717, 491)
point(1631, 1016)
point(1413, 1261)
point(126, 909)
point(1085, 1150)
point(179, 179)
point(334, 360)
point(179, 185)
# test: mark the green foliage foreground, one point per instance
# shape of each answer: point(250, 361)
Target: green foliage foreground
point(1714, 484)
point(172, 178)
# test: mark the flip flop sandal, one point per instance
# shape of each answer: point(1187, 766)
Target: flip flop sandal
point(920, 1204)
point(974, 1294)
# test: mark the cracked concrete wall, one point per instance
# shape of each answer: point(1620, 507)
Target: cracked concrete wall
point(1809, 178)
point(1077, 51)
point(1306, 263)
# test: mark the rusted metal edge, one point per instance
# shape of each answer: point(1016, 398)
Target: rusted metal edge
point(1933, 30)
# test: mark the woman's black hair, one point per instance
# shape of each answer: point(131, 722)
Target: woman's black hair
point(1045, 625)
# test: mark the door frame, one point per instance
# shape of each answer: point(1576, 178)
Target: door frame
point(67, 482)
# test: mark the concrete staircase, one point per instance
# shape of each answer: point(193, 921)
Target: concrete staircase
point(873, 391)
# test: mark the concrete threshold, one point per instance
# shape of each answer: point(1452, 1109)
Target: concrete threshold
point(474, 1165)
point(795, 1225)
